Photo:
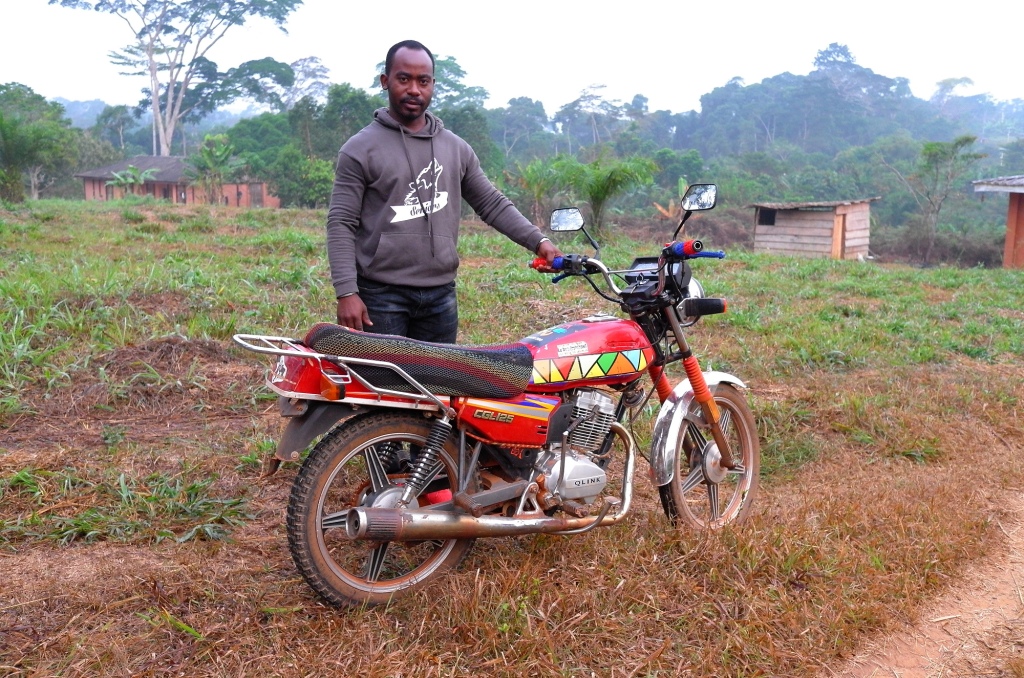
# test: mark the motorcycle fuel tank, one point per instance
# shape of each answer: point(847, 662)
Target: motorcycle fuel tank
point(601, 349)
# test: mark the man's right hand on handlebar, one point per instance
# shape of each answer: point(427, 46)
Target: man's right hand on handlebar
point(352, 312)
point(548, 252)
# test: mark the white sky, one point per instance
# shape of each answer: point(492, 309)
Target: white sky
point(671, 52)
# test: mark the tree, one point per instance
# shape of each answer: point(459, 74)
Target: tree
point(310, 81)
point(539, 180)
point(53, 141)
point(300, 181)
point(939, 171)
point(589, 120)
point(515, 125)
point(212, 167)
point(468, 121)
point(676, 165)
point(113, 122)
point(1012, 158)
point(172, 39)
point(21, 145)
point(599, 181)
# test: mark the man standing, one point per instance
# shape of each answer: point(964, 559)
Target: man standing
point(393, 221)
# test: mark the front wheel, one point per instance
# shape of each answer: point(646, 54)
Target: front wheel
point(702, 493)
point(365, 463)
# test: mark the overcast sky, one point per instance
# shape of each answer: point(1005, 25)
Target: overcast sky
point(671, 52)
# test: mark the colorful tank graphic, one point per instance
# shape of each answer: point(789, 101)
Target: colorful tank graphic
point(601, 349)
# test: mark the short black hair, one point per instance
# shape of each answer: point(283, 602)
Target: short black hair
point(410, 44)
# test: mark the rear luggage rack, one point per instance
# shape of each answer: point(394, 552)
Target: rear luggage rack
point(294, 348)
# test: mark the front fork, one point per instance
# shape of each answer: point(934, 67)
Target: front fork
point(701, 393)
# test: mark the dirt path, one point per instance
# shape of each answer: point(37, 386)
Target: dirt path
point(975, 629)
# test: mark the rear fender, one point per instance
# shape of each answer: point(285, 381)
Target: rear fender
point(307, 419)
point(670, 425)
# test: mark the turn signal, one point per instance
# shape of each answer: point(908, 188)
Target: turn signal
point(329, 389)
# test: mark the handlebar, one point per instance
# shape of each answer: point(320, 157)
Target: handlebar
point(690, 249)
point(577, 264)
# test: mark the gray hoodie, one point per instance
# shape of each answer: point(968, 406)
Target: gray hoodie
point(394, 214)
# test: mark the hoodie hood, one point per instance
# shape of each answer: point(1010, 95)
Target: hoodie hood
point(432, 128)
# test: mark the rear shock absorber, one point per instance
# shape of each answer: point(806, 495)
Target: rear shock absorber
point(426, 460)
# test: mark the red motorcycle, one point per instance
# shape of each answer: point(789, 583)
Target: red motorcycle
point(426, 447)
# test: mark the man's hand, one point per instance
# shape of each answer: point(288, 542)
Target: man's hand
point(548, 251)
point(352, 312)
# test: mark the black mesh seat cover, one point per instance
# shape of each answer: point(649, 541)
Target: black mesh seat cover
point(500, 371)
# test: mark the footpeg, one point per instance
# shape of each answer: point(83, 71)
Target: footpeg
point(467, 503)
point(575, 509)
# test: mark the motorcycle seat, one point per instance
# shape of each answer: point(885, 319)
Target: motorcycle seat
point(495, 371)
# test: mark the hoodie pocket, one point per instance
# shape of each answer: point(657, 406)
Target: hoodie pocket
point(407, 259)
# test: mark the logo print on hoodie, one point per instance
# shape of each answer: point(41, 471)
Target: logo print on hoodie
point(426, 182)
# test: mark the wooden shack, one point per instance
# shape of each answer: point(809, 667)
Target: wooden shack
point(1013, 250)
point(838, 229)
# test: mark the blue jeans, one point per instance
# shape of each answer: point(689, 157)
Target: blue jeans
point(424, 313)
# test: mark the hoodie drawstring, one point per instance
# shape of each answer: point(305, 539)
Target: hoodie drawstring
point(416, 185)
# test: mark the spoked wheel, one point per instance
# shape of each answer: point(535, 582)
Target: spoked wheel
point(703, 493)
point(354, 466)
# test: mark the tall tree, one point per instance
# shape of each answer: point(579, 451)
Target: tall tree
point(171, 41)
point(940, 169)
point(513, 127)
point(310, 81)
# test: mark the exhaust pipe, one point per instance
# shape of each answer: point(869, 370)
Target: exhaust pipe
point(402, 524)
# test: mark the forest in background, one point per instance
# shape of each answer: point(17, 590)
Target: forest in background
point(840, 132)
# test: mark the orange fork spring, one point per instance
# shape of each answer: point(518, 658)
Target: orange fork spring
point(660, 382)
point(696, 377)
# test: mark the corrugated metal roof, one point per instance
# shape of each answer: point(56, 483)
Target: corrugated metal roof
point(821, 203)
point(169, 168)
point(1011, 184)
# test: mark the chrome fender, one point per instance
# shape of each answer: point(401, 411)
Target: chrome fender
point(671, 424)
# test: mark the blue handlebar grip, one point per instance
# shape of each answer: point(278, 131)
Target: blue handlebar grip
point(557, 263)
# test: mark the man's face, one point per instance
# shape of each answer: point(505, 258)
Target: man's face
point(410, 86)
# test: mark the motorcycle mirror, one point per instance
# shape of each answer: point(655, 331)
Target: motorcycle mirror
point(566, 219)
point(700, 197)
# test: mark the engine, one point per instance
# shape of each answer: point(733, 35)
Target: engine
point(591, 414)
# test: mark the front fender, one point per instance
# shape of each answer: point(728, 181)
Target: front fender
point(670, 425)
point(307, 420)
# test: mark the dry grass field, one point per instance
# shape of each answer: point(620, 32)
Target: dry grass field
point(138, 537)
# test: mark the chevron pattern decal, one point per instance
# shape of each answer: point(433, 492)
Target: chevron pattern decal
point(576, 368)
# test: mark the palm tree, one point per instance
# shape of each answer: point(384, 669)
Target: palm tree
point(599, 181)
point(131, 178)
point(539, 180)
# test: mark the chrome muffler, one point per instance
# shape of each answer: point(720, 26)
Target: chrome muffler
point(404, 524)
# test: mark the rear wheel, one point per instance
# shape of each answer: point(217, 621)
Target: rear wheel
point(702, 493)
point(355, 465)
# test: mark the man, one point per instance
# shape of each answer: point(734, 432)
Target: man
point(393, 221)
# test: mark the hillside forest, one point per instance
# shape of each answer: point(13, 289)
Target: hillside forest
point(840, 132)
